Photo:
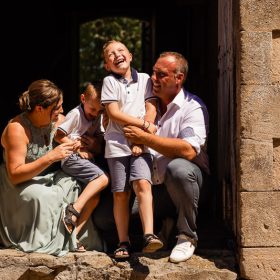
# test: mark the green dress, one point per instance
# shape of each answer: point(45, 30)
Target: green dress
point(30, 213)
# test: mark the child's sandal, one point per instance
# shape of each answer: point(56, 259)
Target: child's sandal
point(67, 217)
point(125, 248)
point(80, 247)
point(151, 243)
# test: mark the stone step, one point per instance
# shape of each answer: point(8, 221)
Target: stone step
point(204, 265)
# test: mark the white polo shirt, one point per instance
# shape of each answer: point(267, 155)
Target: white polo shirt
point(130, 96)
point(186, 118)
point(76, 124)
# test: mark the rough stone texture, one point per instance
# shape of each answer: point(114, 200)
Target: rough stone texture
point(276, 162)
point(276, 56)
point(256, 161)
point(259, 15)
point(260, 114)
point(260, 263)
point(259, 219)
point(255, 57)
point(260, 134)
point(94, 265)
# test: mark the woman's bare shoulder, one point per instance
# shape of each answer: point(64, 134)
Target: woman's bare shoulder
point(14, 129)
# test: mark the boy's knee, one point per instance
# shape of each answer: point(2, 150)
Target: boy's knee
point(105, 180)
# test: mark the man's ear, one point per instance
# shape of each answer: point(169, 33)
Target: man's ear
point(180, 78)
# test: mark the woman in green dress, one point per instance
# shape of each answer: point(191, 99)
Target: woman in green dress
point(33, 189)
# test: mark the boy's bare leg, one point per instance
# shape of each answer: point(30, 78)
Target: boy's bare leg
point(87, 211)
point(93, 188)
point(121, 215)
point(143, 191)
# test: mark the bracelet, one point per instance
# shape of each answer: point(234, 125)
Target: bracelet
point(144, 125)
point(148, 126)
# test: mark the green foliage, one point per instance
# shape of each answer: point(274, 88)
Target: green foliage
point(94, 34)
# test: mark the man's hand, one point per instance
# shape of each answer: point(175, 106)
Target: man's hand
point(134, 134)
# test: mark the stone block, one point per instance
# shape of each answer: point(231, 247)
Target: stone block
point(276, 162)
point(256, 15)
point(259, 219)
point(259, 112)
point(276, 56)
point(255, 57)
point(260, 263)
point(256, 165)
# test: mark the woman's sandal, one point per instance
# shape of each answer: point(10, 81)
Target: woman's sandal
point(151, 243)
point(80, 247)
point(125, 248)
point(68, 212)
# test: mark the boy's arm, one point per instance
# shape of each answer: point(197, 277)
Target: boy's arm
point(151, 111)
point(124, 119)
point(61, 137)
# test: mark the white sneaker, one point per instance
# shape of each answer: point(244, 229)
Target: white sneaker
point(183, 250)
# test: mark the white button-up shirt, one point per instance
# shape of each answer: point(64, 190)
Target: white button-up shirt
point(186, 118)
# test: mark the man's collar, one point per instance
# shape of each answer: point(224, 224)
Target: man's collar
point(179, 98)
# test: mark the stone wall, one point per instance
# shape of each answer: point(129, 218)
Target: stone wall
point(258, 118)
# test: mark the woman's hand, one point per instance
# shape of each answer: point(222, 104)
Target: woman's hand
point(61, 152)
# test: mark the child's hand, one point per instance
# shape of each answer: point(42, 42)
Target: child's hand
point(88, 142)
point(152, 128)
point(149, 127)
point(77, 145)
point(85, 155)
point(137, 149)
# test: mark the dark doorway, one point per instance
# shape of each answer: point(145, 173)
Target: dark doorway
point(44, 43)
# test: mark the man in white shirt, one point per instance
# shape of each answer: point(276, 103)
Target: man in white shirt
point(179, 149)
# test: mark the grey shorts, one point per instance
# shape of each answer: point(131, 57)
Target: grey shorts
point(84, 170)
point(124, 170)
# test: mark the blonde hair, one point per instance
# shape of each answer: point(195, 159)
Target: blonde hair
point(40, 92)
